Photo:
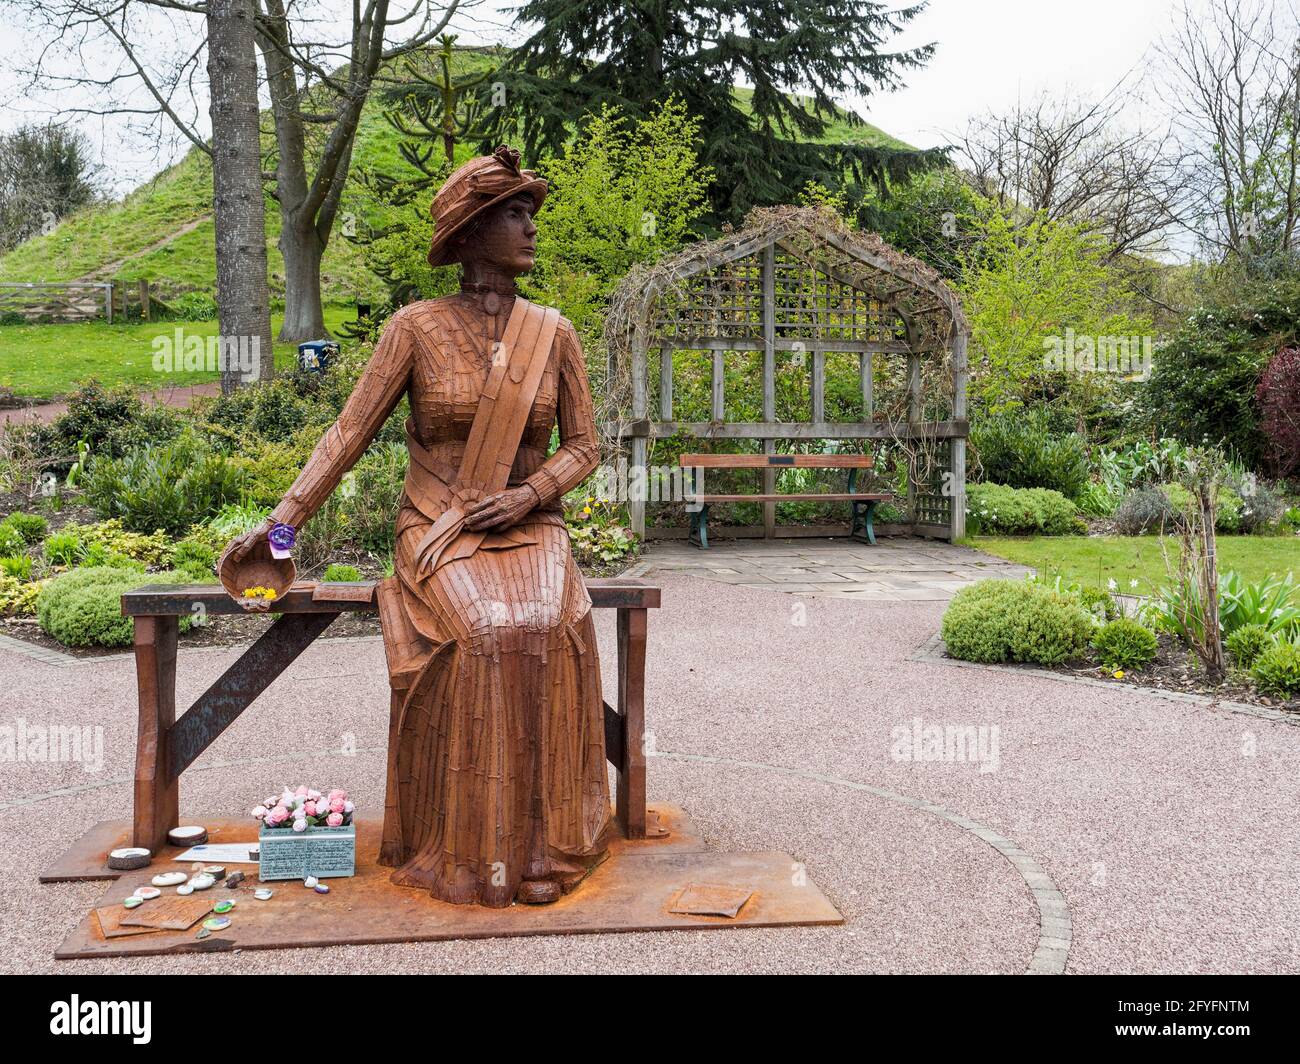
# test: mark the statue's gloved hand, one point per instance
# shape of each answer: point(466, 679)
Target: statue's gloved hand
point(254, 541)
point(502, 509)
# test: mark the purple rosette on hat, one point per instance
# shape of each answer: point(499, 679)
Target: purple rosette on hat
point(282, 538)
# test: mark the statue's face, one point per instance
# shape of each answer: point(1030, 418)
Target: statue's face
point(506, 238)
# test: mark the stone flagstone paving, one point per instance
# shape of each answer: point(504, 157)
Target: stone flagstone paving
point(894, 570)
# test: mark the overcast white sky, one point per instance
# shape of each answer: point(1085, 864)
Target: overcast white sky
point(989, 52)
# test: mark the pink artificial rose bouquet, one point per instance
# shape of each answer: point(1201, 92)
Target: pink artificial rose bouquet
point(301, 808)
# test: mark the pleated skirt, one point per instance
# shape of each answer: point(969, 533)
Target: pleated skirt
point(499, 744)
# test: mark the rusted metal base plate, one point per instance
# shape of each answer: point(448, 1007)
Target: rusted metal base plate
point(87, 858)
point(634, 890)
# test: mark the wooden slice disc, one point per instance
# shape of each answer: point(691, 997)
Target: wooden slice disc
point(186, 836)
point(129, 858)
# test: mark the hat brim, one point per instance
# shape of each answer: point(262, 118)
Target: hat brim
point(440, 248)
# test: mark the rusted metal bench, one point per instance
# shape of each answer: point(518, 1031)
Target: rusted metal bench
point(863, 504)
point(166, 746)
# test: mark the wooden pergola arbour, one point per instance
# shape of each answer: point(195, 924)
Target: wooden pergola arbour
point(796, 283)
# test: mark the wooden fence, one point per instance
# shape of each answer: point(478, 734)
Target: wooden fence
point(78, 300)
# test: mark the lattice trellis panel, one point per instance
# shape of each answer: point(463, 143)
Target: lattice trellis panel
point(789, 333)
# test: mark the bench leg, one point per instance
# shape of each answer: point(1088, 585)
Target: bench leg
point(863, 528)
point(157, 797)
point(630, 797)
point(700, 527)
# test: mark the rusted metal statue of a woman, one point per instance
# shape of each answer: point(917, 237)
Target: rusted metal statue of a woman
point(497, 786)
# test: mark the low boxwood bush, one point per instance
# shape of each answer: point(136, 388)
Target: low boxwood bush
point(1007, 620)
point(84, 607)
point(1277, 670)
point(1247, 643)
point(1125, 644)
point(995, 509)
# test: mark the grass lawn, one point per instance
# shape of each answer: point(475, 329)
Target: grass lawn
point(45, 361)
point(1093, 560)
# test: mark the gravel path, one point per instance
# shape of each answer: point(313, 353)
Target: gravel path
point(1168, 828)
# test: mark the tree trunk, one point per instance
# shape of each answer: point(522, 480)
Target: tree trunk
point(302, 250)
point(243, 301)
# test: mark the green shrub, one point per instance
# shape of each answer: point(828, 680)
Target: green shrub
point(63, 548)
point(18, 598)
point(372, 496)
point(84, 607)
point(1020, 449)
point(11, 540)
point(1144, 510)
point(32, 527)
point(1125, 644)
point(1227, 506)
point(1277, 670)
point(1097, 601)
point(195, 558)
point(269, 471)
point(1097, 500)
point(1247, 643)
point(336, 572)
point(1272, 602)
point(17, 565)
point(112, 421)
point(191, 306)
point(1008, 620)
point(167, 487)
point(1262, 510)
point(995, 509)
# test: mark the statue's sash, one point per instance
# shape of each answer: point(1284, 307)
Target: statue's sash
point(517, 366)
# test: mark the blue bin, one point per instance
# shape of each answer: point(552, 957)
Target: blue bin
point(315, 356)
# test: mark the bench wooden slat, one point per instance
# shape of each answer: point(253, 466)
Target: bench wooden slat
point(180, 600)
point(777, 461)
point(841, 496)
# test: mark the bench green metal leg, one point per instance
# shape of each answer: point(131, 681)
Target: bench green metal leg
point(863, 513)
point(700, 527)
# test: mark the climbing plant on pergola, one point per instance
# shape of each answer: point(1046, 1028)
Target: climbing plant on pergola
point(771, 309)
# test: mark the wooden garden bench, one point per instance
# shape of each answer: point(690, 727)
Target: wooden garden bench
point(166, 746)
point(863, 504)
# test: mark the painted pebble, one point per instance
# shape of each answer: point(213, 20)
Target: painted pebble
point(202, 881)
point(223, 907)
point(132, 902)
point(216, 871)
point(310, 882)
point(147, 893)
point(169, 879)
point(217, 923)
point(321, 888)
point(263, 893)
point(185, 889)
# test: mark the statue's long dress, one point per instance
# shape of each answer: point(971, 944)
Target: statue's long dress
point(497, 757)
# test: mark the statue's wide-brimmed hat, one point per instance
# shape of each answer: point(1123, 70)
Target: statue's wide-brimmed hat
point(478, 186)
